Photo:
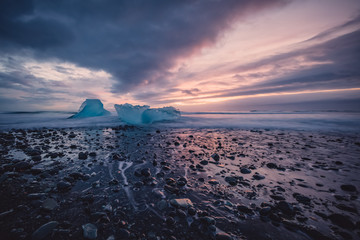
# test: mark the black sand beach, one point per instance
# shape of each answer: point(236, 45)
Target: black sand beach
point(145, 183)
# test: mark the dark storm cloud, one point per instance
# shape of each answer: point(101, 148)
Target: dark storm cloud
point(136, 41)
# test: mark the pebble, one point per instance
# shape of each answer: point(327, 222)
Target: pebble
point(257, 176)
point(271, 165)
point(49, 204)
point(213, 181)
point(145, 172)
point(204, 162)
point(83, 155)
point(216, 157)
point(223, 236)
point(181, 202)
point(21, 166)
point(231, 180)
point(245, 170)
point(63, 186)
point(286, 208)
point(302, 199)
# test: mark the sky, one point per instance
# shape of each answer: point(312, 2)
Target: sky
point(196, 55)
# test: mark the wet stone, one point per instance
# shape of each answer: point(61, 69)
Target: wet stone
point(286, 208)
point(181, 202)
point(223, 236)
point(123, 234)
point(44, 231)
point(21, 166)
point(258, 176)
point(271, 165)
point(231, 180)
point(301, 198)
point(82, 155)
point(348, 188)
point(213, 182)
point(245, 170)
point(146, 172)
point(216, 157)
point(244, 209)
point(63, 186)
point(204, 162)
point(342, 221)
point(277, 197)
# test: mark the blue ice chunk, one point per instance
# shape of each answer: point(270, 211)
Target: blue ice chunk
point(91, 108)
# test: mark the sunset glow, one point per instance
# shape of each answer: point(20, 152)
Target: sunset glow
point(264, 49)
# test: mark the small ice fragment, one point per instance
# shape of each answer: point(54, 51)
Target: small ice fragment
point(91, 108)
point(90, 231)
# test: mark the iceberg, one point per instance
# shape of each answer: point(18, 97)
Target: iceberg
point(129, 113)
point(144, 114)
point(91, 108)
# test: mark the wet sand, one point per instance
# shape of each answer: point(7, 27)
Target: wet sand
point(150, 183)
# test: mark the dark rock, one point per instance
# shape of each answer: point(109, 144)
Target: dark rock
point(216, 157)
point(223, 236)
point(36, 196)
point(231, 180)
point(113, 182)
point(83, 155)
point(286, 208)
point(258, 176)
point(191, 211)
point(277, 197)
point(265, 211)
point(170, 181)
point(63, 186)
point(123, 234)
point(346, 208)
point(302, 199)
point(146, 172)
point(36, 158)
point(92, 154)
point(213, 181)
point(44, 231)
point(245, 170)
point(21, 166)
point(170, 221)
point(271, 165)
point(182, 181)
point(342, 221)
point(348, 188)
point(244, 209)
point(207, 220)
point(204, 162)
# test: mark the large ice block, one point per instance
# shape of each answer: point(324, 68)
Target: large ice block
point(91, 108)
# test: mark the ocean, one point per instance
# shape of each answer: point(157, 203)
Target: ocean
point(297, 120)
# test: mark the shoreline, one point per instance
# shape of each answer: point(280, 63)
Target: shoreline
point(289, 183)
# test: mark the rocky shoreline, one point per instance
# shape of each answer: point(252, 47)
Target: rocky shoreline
point(149, 183)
